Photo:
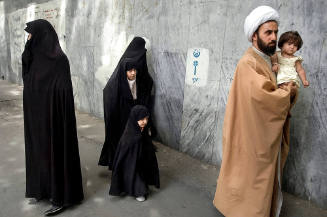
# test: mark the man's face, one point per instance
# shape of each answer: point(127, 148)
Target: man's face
point(265, 39)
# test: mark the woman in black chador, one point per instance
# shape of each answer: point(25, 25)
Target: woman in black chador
point(53, 169)
point(129, 85)
point(135, 164)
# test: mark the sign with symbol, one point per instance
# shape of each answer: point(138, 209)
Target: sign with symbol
point(196, 53)
point(197, 64)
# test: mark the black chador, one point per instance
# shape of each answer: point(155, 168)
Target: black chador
point(53, 169)
point(135, 164)
point(118, 98)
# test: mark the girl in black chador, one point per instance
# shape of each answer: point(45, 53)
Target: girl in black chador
point(53, 169)
point(129, 85)
point(135, 164)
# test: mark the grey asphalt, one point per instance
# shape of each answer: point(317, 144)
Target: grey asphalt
point(187, 190)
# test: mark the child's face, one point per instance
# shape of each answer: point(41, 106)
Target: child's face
point(143, 122)
point(289, 48)
point(131, 74)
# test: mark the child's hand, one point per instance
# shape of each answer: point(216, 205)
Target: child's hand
point(306, 83)
point(275, 67)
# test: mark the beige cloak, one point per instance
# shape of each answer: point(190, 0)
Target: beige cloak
point(256, 129)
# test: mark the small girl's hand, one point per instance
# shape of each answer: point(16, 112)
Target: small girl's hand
point(306, 83)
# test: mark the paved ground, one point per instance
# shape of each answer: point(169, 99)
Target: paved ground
point(188, 185)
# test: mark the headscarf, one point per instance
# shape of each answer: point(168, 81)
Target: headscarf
point(44, 38)
point(43, 60)
point(132, 128)
point(257, 17)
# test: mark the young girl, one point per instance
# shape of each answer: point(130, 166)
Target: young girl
point(135, 164)
point(287, 66)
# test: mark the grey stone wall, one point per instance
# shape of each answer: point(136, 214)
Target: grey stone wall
point(190, 119)
point(4, 71)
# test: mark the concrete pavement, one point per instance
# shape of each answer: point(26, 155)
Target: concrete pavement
point(188, 185)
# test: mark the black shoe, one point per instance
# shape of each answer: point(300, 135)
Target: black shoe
point(123, 194)
point(54, 210)
point(33, 201)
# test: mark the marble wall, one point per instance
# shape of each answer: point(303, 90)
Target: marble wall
point(190, 118)
point(4, 71)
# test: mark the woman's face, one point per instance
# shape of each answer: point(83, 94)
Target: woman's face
point(131, 74)
point(29, 36)
point(143, 122)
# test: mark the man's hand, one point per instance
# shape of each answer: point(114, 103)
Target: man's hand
point(284, 86)
point(275, 67)
point(289, 86)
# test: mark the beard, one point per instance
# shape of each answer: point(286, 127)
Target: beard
point(269, 48)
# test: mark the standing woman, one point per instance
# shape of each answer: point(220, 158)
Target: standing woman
point(53, 169)
point(129, 85)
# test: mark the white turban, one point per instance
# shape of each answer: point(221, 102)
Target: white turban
point(257, 17)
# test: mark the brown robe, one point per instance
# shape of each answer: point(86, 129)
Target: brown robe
point(256, 129)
